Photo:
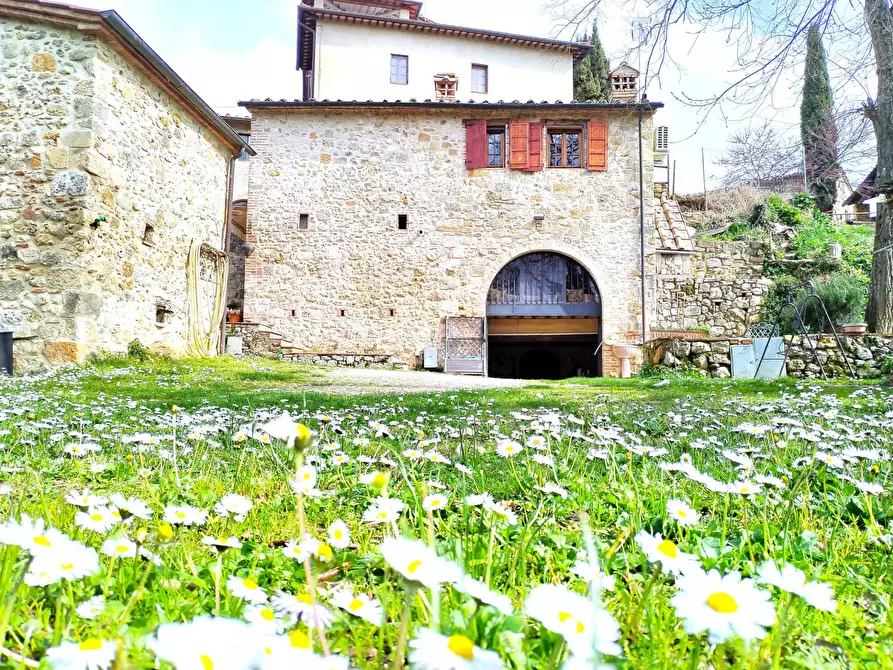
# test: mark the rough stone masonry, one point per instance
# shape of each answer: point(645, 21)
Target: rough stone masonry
point(85, 136)
point(352, 283)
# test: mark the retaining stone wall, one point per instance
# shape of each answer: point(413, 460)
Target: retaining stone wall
point(721, 286)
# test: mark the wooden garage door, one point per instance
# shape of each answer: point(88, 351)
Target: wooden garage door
point(541, 326)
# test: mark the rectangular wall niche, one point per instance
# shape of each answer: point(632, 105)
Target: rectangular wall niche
point(402, 221)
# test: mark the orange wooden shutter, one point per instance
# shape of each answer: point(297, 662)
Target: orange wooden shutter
point(475, 144)
point(535, 148)
point(519, 131)
point(597, 153)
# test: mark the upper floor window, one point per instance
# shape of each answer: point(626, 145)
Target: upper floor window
point(496, 146)
point(245, 138)
point(479, 79)
point(564, 148)
point(399, 69)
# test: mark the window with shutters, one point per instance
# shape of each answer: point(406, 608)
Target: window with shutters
point(399, 69)
point(496, 146)
point(564, 147)
point(479, 78)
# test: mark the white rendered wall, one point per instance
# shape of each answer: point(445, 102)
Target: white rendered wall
point(354, 63)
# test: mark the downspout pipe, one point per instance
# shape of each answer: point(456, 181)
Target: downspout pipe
point(227, 233)
point(642, 218)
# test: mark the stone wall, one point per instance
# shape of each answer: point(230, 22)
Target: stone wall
point(352, 172)
point(869, 355)
point(710, 356)
point(720, 286)
point(85, 136)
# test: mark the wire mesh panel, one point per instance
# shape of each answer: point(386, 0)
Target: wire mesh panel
point(466, 348)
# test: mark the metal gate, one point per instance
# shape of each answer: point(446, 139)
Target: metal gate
point(466, 346)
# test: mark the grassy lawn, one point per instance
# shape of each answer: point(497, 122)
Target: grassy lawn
point(629, 522)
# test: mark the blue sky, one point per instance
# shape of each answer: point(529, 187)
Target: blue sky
point(231, 50)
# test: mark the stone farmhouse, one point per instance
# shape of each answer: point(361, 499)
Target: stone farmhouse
point(111, 170)
point(435, 198)
point(438, 188)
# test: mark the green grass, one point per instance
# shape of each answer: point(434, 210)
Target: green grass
point(819, 521)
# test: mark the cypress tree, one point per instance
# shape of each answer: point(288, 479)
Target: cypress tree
point(818, 129)
point(591, 72)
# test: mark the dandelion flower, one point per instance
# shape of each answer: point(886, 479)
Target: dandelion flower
point(723, 606)
point(433, 651)
point(682, 513)
point(247, 589)
point(91, 654)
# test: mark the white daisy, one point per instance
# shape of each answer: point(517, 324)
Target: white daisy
point(91, 654)
point(417, 562)
point(435, 501)
point(360, 605)
point(682, 513)
point(793, 580)
point(508, 448)
point(583, 627)
point(664, 551)
point(339, 534)
point(433, 651)
point(247, 589)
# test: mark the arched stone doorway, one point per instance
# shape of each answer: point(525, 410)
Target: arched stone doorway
point(544, 319)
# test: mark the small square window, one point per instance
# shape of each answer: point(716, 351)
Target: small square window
point(342, 312)
point(392, 312)
point(304, 222)
point(402, 222)
point(294, 313)
point(399, 69)
point(480, 79)
point(496, 146)
point(564, 148)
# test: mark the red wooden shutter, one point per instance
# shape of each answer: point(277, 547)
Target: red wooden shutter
point(519, 132)
point(597, 143)
point(475, 144)
point(535, 148)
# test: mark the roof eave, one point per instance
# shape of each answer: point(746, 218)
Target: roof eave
point(369, 104)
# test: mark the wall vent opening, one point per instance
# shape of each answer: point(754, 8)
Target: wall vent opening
point(392, 312)
point(402, 221)
point(304, 222)
point(163, 312)
point(342, 312)
point(149, 235)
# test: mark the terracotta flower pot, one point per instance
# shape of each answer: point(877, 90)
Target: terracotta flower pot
point(855, 328)
point(234, 317)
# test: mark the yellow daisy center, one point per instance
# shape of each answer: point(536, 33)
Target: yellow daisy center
point(67, 566)
point(96, 517)
point(181, 515)
point(745, 489)
point(268, 615)
point(563, 617)
point(91, 644)
point(42, 541)
point(207, 663)
point(412, 567)
point(722, 603)
point(667, 548)
point(299, 639)
point(121, 549)
point(355, 605)
point(249, 584)
point(305, 598)
point(682, 514)
point(338, 534)
point(461, 646)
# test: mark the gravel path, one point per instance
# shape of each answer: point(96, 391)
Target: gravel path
point(362, 380)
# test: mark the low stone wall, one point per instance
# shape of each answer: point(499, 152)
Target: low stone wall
point(867, 354)
point(345, 360)
point(709, 356)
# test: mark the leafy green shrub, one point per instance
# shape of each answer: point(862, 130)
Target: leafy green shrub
point(779, 210)
point(803, 202)
point(138, 351)
point(845, 297)
point(782, 287)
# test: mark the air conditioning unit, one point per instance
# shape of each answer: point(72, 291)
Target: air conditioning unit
point(662, 140)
